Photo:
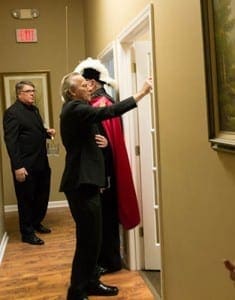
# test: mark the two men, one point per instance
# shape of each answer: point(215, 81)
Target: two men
point(84, 176)
point(118, 198)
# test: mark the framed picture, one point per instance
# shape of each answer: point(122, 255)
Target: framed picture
point(41, 80)
point(218, 23)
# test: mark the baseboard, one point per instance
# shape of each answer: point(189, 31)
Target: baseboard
point(3, 246)
point(61, 203)
point(51, 204)
point(152, 288)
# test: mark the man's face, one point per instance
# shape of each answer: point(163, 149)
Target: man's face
point(81, 89)
point(27, 94)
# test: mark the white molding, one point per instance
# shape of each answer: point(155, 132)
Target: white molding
point(136, 25)
point(3, 246)
point(106, 51)
point(51, 204)
point(10, 208)
point(124, 42)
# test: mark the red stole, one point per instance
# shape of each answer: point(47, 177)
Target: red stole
point(128, 209)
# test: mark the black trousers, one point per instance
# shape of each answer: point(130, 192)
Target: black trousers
point(85, 208)
point(32, 199)
point(110, 256)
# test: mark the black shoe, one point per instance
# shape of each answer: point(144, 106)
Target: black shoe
point(42, 229)
point(32, 239)
point(101, 289)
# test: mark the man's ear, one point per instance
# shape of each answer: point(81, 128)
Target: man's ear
point(71, 93)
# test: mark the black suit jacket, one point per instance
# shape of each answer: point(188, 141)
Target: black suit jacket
point(25, 137)
point(84, 162)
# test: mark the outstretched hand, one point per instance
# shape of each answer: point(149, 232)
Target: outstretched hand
point(146, 88)
point(148, 85)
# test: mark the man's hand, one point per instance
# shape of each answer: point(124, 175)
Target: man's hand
point(21, 174)
point(146, 89)
point(51, 132)
point(101, 141)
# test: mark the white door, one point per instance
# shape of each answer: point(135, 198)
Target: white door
point(135, 44)
point(148, 159)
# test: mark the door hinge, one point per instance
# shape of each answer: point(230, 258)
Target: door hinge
point(133, 68)
point(137, 150)
point(141, 231)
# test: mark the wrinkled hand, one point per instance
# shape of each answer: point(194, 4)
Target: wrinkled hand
point(20, 174)
point(147, 86)
point(146, 89)
point(101, 141)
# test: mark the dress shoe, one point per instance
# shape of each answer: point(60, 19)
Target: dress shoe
point(32, 239)
point(42, 229)
point(101, 289)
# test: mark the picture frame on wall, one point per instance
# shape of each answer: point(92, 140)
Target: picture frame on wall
point(41, 80)
point(218, 26)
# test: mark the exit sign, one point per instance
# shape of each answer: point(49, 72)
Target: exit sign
point(28, 35)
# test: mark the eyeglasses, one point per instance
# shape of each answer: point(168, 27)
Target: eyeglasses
point(28, 91)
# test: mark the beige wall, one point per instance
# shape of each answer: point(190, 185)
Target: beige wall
point(105, 19)
point(197, 183)
point(54, 52)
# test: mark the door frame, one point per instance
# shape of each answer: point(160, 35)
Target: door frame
point(120, 50)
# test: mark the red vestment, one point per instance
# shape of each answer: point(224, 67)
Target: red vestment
point(128, 209)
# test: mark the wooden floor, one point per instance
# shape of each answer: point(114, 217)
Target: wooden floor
point(31, 272)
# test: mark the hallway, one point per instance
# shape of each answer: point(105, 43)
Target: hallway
point(42, 272)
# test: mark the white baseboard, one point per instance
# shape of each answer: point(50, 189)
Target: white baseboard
point(3, 246)
point(51, 204)
point(10, 208)
point(61, 203)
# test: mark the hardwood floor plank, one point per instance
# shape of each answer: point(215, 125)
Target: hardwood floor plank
point(31, 272)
